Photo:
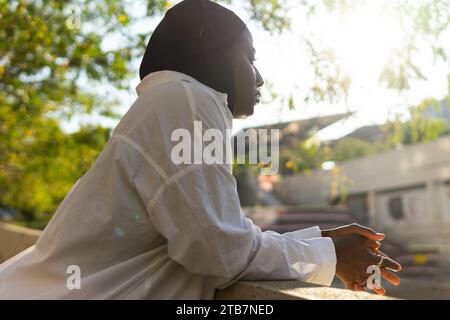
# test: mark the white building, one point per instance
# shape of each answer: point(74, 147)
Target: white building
point(404, 192)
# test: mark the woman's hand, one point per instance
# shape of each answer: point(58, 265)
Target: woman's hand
point(353, 228)
point(353, 259)
point(354, 273)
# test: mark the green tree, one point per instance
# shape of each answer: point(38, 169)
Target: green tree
point(351, 148)
point(309, 155)
point(44, 60)
point(419, 127)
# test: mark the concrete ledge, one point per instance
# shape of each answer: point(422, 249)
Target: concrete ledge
point(14, 239)
point(290, 290)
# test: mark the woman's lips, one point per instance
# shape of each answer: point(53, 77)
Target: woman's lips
point(258, 96)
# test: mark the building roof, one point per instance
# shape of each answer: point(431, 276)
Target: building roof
point(302, 128)
point(373, 133)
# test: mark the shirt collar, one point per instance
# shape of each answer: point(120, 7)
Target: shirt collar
point(168, 75)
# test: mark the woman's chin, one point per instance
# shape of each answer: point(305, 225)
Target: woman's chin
point(243, 113)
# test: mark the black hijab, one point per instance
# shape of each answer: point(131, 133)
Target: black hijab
point(193, 38)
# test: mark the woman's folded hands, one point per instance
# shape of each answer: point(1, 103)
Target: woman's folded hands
point(360, 262)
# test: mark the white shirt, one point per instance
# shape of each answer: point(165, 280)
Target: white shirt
point(138, 226)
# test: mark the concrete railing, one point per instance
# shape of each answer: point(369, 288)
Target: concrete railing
point(290, 290)
point(14, 239)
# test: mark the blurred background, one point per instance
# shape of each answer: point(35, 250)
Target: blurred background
point(358, 89)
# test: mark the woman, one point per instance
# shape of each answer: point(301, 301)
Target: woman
point(138, 225)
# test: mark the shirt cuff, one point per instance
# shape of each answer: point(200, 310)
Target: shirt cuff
point(326, 253)
point(313, 232)
point(327, 260)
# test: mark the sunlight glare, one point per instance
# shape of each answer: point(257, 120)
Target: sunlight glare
point(364, 41)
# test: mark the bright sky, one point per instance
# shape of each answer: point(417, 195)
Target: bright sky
point(363, 42)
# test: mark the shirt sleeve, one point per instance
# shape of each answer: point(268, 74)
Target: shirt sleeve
point(198, 211)
point(312, 232)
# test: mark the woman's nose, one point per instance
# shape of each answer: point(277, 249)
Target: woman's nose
point(259, 79)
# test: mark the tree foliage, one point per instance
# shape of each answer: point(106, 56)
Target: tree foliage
point(51, 70)
point(420, 127)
